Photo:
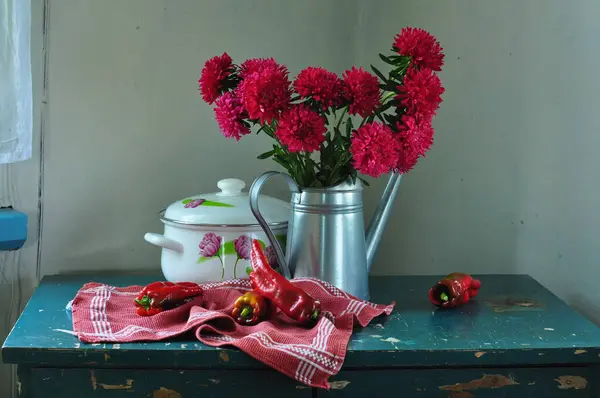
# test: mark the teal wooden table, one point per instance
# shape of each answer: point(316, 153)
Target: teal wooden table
point(516, 340)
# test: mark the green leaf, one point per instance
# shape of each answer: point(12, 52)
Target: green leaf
point(282, 240)
point(202, 259)
point(228, 249)
point(363, 181)
point(397, 74)
point(378, 73)
point(186, 201)
point(389, 118)
point(248, 270)
point(282, 162)
point(266, 155)
point(385, 107)
point(348, 127)
point(386, 59)
point(210, 203)
point(337, 133)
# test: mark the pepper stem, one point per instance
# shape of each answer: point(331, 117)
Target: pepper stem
point(315, 315)
point(444, 296)
point(144, 302)
point(246, 311)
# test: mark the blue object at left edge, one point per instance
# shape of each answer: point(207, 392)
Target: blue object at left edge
point(13, 229)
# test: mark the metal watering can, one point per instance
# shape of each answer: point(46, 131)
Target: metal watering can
point(326, 238)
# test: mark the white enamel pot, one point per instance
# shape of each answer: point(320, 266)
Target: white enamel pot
point(207, 238)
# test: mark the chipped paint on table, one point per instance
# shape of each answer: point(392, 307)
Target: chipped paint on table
point(164, 383)
point(515, 324)
point(467, 383)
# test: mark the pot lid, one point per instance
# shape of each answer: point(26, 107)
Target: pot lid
point(229, 207)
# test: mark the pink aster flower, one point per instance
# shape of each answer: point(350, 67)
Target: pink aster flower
point(320, 84)
point(215, 71)
point(362, 90)
point(265, 92)
point(421, 92)
point(423, 48)
point(414, 138)
point(373, 149)
point(301, 129)
point(253, 65)
point(230, 113)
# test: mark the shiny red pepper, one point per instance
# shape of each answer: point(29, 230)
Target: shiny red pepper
point(454, 290)
point(250, 309)
point(290, 299)
point(161, 296)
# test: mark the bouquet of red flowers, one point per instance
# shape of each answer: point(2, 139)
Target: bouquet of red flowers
point(326, 128)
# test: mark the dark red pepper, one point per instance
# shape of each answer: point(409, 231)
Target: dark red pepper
point(454, 290)
point(290, 299)
point(161, 296)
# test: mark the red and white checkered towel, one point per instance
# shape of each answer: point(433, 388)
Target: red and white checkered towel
point(103, 313)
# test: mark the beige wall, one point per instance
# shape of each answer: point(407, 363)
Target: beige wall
point(128, 132)
point(511, 184)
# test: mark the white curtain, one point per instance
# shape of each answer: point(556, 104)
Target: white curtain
point(15, 81)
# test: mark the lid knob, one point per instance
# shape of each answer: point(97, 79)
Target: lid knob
point(230, 187)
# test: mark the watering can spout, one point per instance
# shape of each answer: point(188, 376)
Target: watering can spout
point(379, 220)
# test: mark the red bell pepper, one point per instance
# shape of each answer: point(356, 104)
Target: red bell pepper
point(290, 299)
point(454, 290)
point(250, 309)
point(161, 296)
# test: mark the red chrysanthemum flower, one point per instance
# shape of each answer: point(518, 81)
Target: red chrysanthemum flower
point(421, 93)
point(230, 113)
point(301, 129)
point(266, 92)
point(373, 149)
point(320, 84)
point(362, 90)
point(253, 65)
point(423, 47)
point(414, 138)
point(215, 71)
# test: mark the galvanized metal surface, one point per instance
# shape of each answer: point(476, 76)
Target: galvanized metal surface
point(326, 233)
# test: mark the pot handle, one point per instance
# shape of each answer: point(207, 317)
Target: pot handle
point(254, 194)
point(165, 243)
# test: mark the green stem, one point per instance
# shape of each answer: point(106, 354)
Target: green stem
point(339, 123)
point(444, 296)
point(246, 311)
point(235, 268)
point(222, 266)
point(315, 315)
point(390, 94)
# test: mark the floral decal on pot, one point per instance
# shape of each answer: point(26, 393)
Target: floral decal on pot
point(211, 246)
point(242, 246)
point(193, 203)
point(270, 253)
point(271, 257)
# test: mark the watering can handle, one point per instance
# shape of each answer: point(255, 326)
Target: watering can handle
point(254, 194)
